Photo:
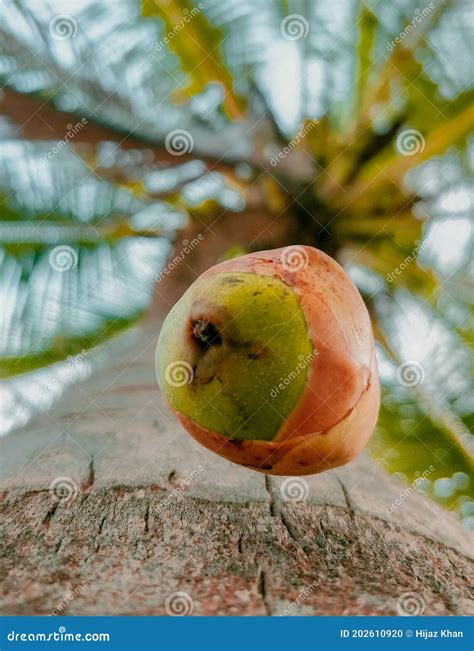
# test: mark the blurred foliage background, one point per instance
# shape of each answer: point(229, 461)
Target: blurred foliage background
point(120, 123)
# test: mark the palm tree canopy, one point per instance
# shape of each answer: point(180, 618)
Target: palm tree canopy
point(352, 117)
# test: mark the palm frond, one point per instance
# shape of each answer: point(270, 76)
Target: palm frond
point(79, 256)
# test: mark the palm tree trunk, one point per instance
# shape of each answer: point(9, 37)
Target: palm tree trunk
point(110, 508)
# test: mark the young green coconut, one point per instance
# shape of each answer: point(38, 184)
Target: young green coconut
point(268, 360)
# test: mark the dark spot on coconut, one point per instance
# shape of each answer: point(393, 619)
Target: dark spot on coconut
point(257, 352)
point(232, 281)
point(206, 334)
